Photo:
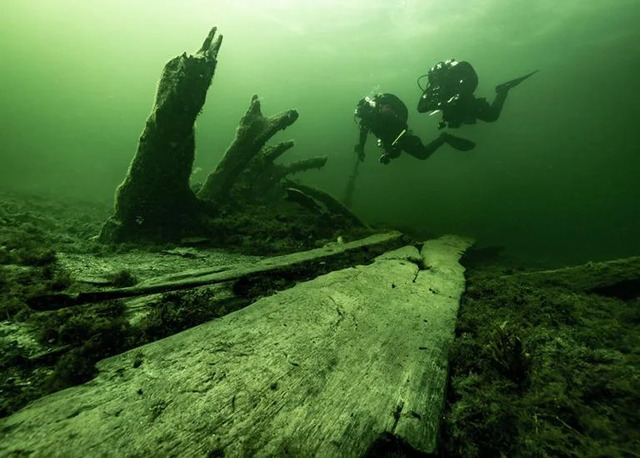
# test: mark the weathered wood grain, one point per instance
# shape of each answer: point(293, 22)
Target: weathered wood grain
point(208, 276)
point(321, 369)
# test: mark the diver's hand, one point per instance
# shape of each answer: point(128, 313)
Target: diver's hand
point(359, 150)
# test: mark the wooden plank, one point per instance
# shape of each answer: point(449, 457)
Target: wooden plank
point(321, 369)
point(587, 277)
point(217, 274)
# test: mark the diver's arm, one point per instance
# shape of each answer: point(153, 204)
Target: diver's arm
point(362, 140)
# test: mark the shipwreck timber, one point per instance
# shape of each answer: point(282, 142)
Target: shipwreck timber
point(325, 367)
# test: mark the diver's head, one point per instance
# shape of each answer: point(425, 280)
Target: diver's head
point(447, 79)
point(365, 107)
point(454, 77)
point(433, 94)
point(439, 72)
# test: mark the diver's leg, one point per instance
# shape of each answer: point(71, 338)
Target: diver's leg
point(459, 143)
point(414, 146)
point(513, 83)
point(490, 113)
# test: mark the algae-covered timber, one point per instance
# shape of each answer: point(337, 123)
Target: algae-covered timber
point(156, 201)
point(323, 368)
point(219, 274)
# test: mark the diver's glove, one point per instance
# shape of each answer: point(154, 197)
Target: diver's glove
point(384, 159)
point(359, 150)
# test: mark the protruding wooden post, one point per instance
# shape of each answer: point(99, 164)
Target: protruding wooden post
point(155, 201)
point(252, 134)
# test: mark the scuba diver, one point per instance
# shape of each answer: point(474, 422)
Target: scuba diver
point(385, 115)
point(450, 90)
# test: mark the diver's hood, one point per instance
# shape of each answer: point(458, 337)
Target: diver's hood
point(430, 100)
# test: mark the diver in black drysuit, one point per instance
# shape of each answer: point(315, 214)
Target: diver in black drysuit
point(385, 115)
point(450, 90)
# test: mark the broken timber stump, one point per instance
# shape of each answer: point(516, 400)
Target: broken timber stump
point(252, 134)
point(155, 200)
point(321, 369)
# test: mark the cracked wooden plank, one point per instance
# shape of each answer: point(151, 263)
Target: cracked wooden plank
point(321, 369)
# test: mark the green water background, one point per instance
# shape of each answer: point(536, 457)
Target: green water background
point(555, 180)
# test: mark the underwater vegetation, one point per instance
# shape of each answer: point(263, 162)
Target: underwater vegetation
point(36, 350)
point(266, 228)
point(87, 336)
point(177, 311)
point(539, 370)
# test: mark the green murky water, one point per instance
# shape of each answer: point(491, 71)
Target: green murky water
point(554, 180)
